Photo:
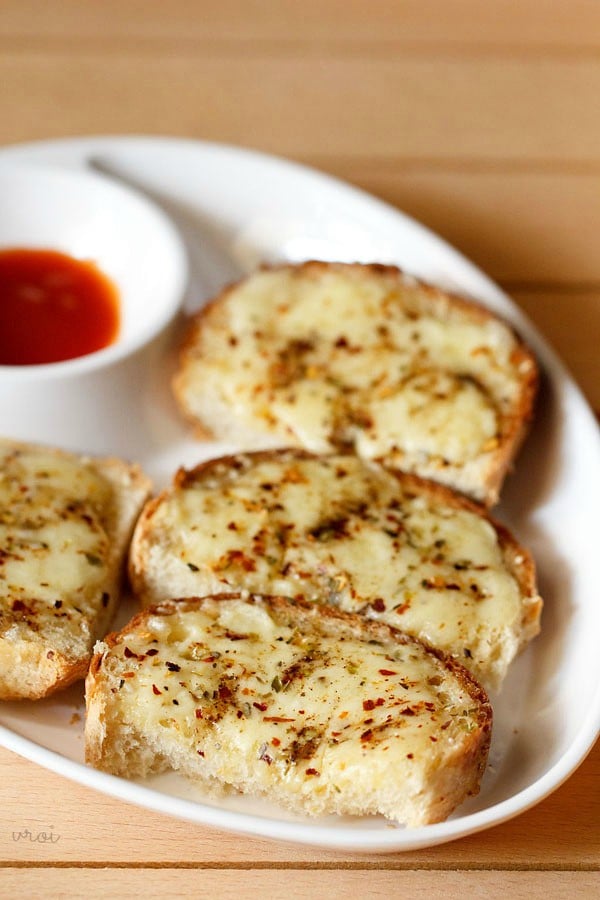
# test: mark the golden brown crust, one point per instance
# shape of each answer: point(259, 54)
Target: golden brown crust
point(514, 424)
point(51, 674)
point(95, 686)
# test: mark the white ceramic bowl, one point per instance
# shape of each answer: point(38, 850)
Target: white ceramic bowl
point(88, 216)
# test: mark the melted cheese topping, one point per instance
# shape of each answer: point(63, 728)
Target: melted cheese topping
point(53, 546)
point(341, 531)
point(262, 699)
point(342, 358)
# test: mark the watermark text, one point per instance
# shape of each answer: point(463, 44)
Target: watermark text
point(36, 837)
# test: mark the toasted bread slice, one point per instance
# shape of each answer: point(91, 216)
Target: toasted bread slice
point(65, 525)
point(320, 711)
point(339, 530)
point(333, 357)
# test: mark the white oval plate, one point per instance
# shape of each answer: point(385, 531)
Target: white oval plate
point(237, 208)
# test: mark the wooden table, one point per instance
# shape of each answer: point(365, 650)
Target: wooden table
point(482, 119)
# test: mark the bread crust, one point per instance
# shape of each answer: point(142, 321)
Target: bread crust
point(459, 771)
point(35, 668)
point(514, 424)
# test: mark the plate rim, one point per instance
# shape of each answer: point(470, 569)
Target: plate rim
point(339, 837)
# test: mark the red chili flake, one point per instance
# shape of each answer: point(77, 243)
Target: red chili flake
point(247, 564)
point(369, 721)
point(224, 692)
point(378, 605)
point(276, 742)
point(312, 772)
point(235, 637)
point(200, 752)
point(276, 718)
point(335, 733)
point(155, 690)
point(19, 606)
point(209, 659)
point(50, 654)
point(407, 711)
point(370, 704)
point(261, 706)
point(432, 738)
point(173, 667)
point(152, 652)
point(239, 714)
point(129, 653)
point(295, 476)
point(128, 674)
point(366, 735)
point(198, 712)
point(410, 755)
point(232, 526)
point(387, 672)
point(59, 603)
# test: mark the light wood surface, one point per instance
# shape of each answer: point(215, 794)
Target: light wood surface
point(482, 119)
point(562, 833)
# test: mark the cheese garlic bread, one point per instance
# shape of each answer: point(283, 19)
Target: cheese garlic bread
point(65, 525)
point(353, 534)
point(318, 710)
point(361, 358)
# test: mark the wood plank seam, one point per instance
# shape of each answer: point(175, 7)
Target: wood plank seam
point(360, 865)
point(555, 287)
point(284, 46)
point(386, 164)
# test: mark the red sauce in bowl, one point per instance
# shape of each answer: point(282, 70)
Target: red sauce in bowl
point(53, 307)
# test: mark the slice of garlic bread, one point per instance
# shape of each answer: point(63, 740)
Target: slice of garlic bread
point(65, 525)
point(334, 357)
point(339, 530)
point(318, 710)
